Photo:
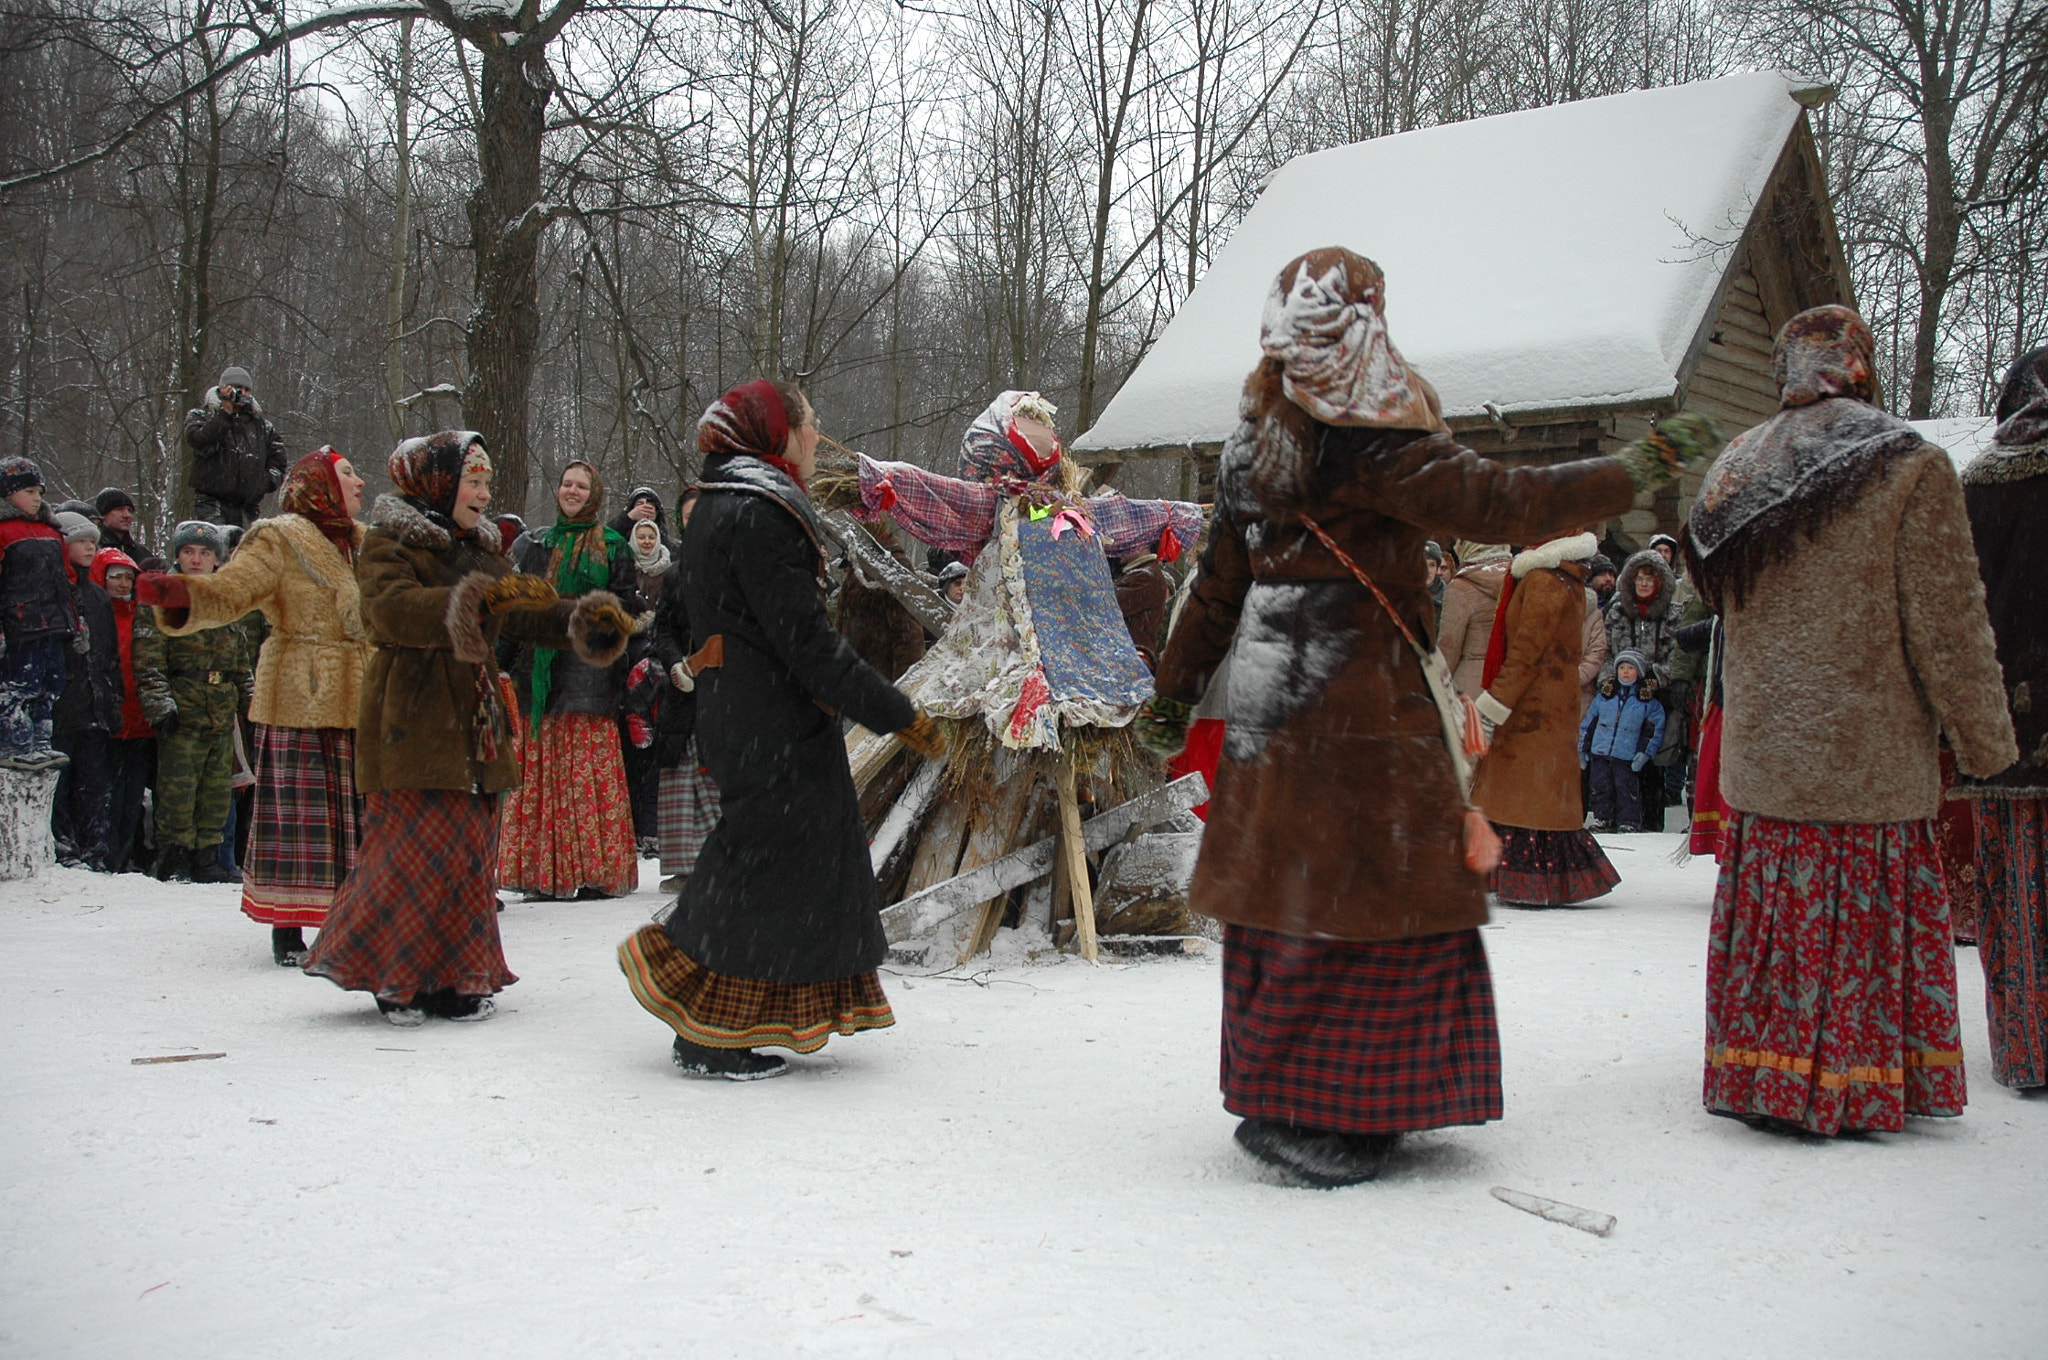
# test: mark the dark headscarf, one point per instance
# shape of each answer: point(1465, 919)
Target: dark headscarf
point(2023, 404)
point(1784, 480)
point(313, 489)
point(427, 470)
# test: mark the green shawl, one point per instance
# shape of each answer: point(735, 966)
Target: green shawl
point(579, 561)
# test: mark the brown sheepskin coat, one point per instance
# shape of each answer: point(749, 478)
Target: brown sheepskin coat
point(1470, 599)
point(1530, 776)
point(1855, 652)
point(310, 672)
point(1336, 812)
point(422, 591)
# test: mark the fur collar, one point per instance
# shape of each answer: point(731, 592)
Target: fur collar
point(10, 511)
point(1650, 560)
point(1555, 553)
point(398, 517)
point(1999, 464)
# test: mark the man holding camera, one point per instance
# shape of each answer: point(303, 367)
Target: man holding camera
point(237, 458)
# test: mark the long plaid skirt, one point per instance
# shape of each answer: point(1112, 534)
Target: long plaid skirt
point(2012, 884)
point(688, 810)
point(419, 914)
point(718, 1011)
point(1831, 976)
point(1387, 1037)
point(304, 826)
point(570, 823)
point(1551, 868)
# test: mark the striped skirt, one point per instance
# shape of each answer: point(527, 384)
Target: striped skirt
point(419, 914)
point(2012, 886)
point(1387, 1037)
point(304, 826)
point(1831, 977)
point(729, 1012)
point(688, 811)
point(570, 823)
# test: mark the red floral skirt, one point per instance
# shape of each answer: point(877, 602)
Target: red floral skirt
point(1956, 828)
point(419, 914)
point(1831, 977)
point(569, 825)
point(1386, 1037)
point(304, 824)
point(2012, 882)
point(718, 1011)
point(1551, 868)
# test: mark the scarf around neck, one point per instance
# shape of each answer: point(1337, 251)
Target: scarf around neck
point(579, 561)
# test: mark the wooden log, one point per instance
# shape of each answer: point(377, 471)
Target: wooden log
point(906, 815)
point(1074, 847)
point(985, 843)
point(933, 904)
point(868, 754)
point(938, 847)
point(26, 846)
point(877, 563)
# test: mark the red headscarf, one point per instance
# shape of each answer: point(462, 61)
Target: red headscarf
point(749, 421)
point(313, 488)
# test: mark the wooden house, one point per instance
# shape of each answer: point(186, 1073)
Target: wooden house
point(1564, 277)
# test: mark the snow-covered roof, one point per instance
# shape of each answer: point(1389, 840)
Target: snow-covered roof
point(1963, 436)
point(1558, 257)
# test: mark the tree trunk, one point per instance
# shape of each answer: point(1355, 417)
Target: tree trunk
point(1944, 226)
point(505, 222)
point(401, 232)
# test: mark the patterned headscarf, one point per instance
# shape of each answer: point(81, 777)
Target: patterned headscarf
point(747, 422)
point(2023, 404)
point(1013, 438)
point(1325, 324)
point(1825, 352)
point(427, 470)
point(579, 561)
point(313, 488)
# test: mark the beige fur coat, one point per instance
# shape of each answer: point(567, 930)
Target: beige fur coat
point(310, 673)
point(1856, 651)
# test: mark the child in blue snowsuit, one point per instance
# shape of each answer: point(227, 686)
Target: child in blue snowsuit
point(1622, 729)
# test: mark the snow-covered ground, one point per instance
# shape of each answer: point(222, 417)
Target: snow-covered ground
point(1032, 1163)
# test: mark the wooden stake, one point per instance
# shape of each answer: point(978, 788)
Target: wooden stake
point(985, 844)
point(1075, 851)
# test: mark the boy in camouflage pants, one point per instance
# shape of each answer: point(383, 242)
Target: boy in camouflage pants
point(191, 689)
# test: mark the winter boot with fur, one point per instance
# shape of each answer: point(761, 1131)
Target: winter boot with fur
point(733, 1064)
point(1320, 1159)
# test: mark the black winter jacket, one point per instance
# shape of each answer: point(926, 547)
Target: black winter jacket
point(93, 685)
point(235, 457)
point(783, 890)
point(36, 600)
point(668, 643)
point(576, 688)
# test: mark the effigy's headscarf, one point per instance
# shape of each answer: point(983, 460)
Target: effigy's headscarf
point(426, 471)
point(1785, 479)
point(1013, 439)
point(312, 488)
point(579, 561)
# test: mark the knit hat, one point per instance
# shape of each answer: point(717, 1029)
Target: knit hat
point(75, 526)
point(235, 376)
point(113, 498)
point(1433, 551)
point(1598, 564)
point(1629, 656)
point(18, 474)
point(198, 533)
point(952, 571)
point(1658, 540)
point(648, 494)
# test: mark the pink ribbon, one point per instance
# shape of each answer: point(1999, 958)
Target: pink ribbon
point(1070, 519)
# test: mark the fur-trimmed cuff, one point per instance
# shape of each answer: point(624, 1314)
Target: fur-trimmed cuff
point(583, 626)
point(1492, 709)
point(466, 618)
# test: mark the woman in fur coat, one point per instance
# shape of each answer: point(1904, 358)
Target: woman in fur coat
point(569, 829)
point(1356, 1000)
point(1528, 782)
point(1831, 990)
point(299, 570)
point(777, 934)
point(2006, 491)
point(416, 924)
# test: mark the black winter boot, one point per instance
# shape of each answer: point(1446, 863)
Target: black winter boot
point(733, 1064)
point(206, 866)
point(288, 946)
point(1321, 1159)
point(173, 864)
